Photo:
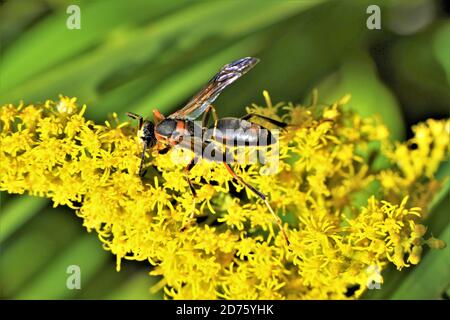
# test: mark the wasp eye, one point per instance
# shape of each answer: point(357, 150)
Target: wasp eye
point(166, 127)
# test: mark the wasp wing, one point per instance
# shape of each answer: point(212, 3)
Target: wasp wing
point(226, 76)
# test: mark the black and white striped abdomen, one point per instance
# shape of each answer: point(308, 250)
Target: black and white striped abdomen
point(238, 132)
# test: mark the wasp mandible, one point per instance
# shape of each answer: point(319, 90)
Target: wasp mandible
point(179, 128)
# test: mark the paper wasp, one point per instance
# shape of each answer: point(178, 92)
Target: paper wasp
point(179, 128)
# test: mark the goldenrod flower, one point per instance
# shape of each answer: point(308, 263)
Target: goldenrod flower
point(339, 232)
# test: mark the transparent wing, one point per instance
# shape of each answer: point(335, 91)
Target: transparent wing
point(226, 76)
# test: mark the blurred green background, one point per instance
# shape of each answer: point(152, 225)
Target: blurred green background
point(138, 55)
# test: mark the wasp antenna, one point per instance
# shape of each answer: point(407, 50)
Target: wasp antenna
point(137, 117)
point(133, 115)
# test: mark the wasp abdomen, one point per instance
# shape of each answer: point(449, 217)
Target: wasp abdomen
point(238, 132)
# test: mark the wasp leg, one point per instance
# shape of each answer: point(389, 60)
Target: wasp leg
point(262, 197)
point(270, 120)
point(186, 172)
point(164, 150)
point(205, 119)
point(142, 173)
point(253, 189)
point(191, 186)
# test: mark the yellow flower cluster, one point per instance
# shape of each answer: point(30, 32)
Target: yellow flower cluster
point(343, 216)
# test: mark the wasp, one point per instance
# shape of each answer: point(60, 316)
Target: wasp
point(180, 129)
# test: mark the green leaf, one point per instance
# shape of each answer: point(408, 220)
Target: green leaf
point(50, 283)
point(183, 83)
point(443, 176)
point(136, 288)
point(32, 247)
point(83, 74)
point(50, 42)
point(441, 46)
point(357, 76)
point(17, 212)
point(412, 69)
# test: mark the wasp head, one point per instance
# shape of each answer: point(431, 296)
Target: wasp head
point(147, 133)
point(146, 130)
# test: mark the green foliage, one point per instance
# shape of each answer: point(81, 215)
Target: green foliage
point(371, 98)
